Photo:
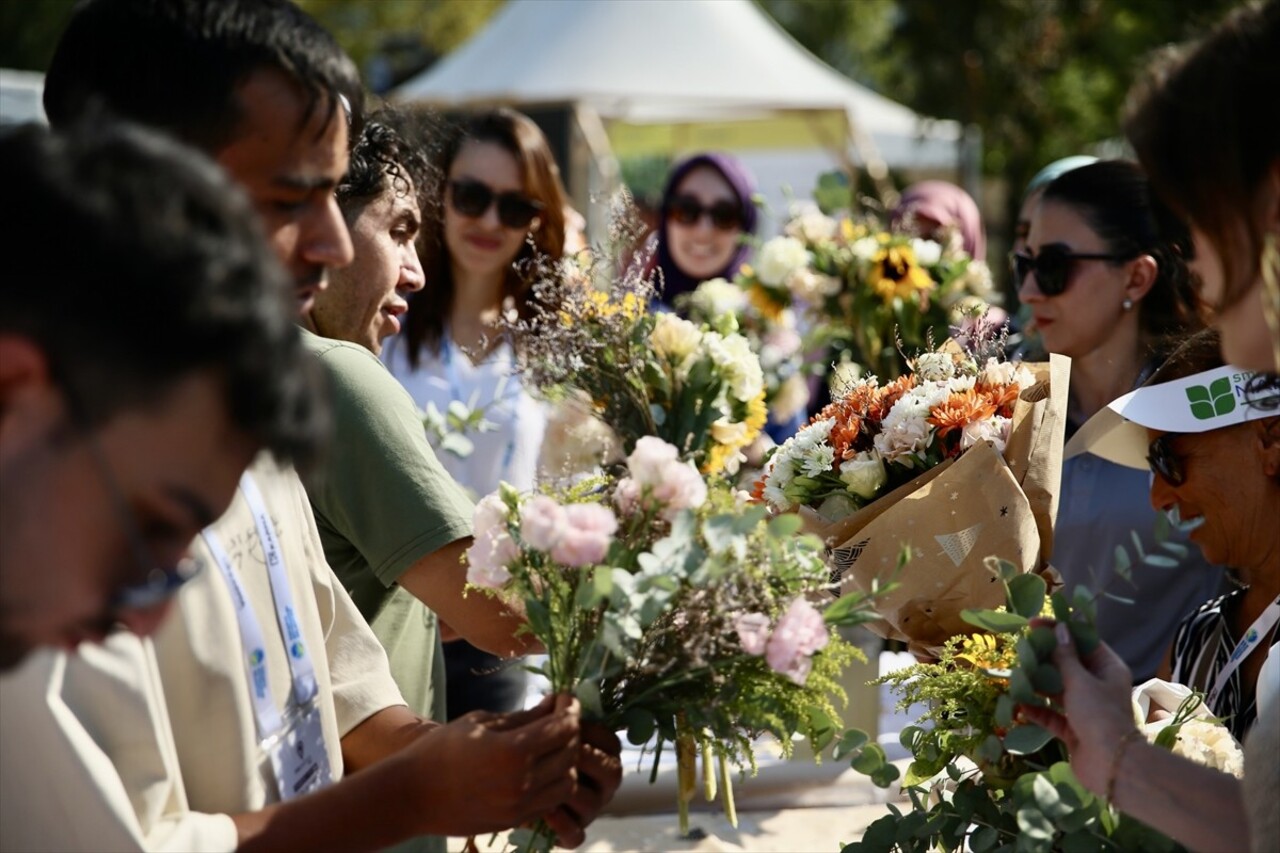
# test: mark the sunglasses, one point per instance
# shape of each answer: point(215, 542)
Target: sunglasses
point(1053, 266)
point(472, 199)
point(1164, 461)
point(687, 210)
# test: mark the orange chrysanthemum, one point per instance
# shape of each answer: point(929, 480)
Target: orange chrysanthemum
point(1003, 397)
point(890, 394)
point(960, 410)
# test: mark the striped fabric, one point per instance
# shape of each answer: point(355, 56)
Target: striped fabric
point(1201, 647)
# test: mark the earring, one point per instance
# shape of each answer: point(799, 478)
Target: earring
point(1127, 304)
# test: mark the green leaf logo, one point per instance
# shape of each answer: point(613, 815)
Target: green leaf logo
point(1213, 401)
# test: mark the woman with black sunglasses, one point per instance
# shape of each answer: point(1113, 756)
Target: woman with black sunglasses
point(1110, 290)
point(502, 203)
point(707, 217)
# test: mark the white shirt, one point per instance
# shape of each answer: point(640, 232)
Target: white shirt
point(509, 452)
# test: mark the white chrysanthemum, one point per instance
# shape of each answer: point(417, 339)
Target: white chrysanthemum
point(934, 366)
point(997, 372)
point(927, 252)
point(778, 258)
point(809, 286)
point(818, 460)
point(716, 296)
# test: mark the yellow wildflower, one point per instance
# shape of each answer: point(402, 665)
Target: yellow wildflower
point(765, 303)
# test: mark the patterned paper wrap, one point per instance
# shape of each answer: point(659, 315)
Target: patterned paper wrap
point(954, 516)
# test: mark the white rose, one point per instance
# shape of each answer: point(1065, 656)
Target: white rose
point(778, 258)
point(729, 432)
point(865, 248)
point(673, 337)
point(1211, 744)
point(934, 366)
point(811, 226)
point(927, 252)
point(864, 474)
point(717, 296)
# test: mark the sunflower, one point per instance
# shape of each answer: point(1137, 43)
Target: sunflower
point(987, 652)
point(768, 304)
point(896, 274)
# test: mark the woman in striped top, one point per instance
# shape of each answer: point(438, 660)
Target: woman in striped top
point(1224, 484)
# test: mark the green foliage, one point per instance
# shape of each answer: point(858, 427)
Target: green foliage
point(978, 781)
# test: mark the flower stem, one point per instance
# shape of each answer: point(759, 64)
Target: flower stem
point(726, 792)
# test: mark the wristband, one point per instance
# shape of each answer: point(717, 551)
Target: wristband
point(1129, 737)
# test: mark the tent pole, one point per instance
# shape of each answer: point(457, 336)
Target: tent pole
point(602, 169)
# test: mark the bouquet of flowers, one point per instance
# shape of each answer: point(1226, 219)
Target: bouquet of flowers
point(772, 332)
point(590, 331)
point(867, 292)
point(956, 460)
point(671, 609)
point(979, 780)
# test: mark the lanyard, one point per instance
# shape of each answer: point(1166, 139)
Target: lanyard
point(268, 717)
point(1252, 638)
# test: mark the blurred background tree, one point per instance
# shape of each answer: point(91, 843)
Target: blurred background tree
point(1042, 78)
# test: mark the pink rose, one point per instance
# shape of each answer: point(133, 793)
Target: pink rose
point(650, 460)
point(542, 522)
point(627, 495)
point(488, 558)
point(587, 535)
point(800, 633)
point(681, 487)
point(753, 632)
point(491, 511)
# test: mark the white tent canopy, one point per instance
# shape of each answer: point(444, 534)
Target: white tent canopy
point(648, 63)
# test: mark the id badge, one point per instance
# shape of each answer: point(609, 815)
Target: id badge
point(299, 759)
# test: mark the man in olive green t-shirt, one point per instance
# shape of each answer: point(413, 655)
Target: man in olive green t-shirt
point(393, 522)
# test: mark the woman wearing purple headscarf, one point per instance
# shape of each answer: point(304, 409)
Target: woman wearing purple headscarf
point(707, 214)
point(930, 207)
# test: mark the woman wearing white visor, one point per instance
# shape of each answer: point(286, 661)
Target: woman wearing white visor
point(1211, 435)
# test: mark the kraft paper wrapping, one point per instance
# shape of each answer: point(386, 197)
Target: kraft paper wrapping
point(953, 517)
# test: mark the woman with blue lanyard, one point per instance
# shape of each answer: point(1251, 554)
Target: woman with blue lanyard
point(502, 202)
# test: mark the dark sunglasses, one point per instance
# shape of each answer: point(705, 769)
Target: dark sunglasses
point(687, 210)
point(1164, 461)
point(472, 199)
point(1053, 266)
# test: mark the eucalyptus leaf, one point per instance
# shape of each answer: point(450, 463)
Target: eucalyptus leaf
point(1026, 739)
point(1046, 679)
point(995, 621)
point(457, 444)
point(1160, 561)
point(1034, 824)
point(785, 526)
point(850, 742)
point(871, 759)
point(1026, 595)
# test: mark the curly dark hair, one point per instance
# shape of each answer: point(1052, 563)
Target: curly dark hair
point(383, 155)
point(169, 276)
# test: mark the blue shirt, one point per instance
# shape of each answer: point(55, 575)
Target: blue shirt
point(1101, 505)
